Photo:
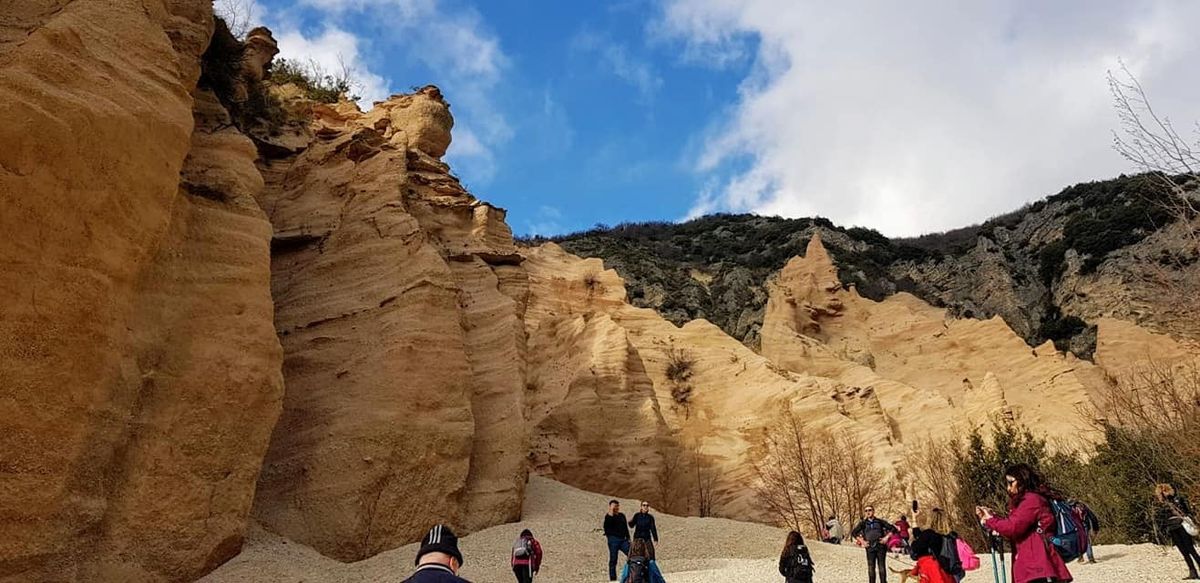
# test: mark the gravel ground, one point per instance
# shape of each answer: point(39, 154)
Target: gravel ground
point(691, 550)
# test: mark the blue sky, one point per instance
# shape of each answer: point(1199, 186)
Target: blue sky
point(908, 117)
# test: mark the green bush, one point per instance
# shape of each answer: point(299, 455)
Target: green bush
point(1061, 329)
point(979, 468)
point(316, 83)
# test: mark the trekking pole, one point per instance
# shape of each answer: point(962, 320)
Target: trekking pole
point(991, 543)
point(999, 540)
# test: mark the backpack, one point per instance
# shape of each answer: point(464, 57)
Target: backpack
point(639, 571)
point(966, 554)
point(1066, 539)
point(801, 567)
point(523, 548)
point(948, 557)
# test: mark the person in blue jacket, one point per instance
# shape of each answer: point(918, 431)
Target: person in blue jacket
point(641, 567)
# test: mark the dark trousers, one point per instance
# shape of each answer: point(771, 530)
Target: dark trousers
point(877, 560)
point(615, 544)
point(524, 573)
point(1187, 547)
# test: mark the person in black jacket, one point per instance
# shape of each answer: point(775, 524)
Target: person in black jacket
point(1171, 510)
point(438, 559)
point(869, 533)
point(644, 528)
point(616, 532)
point(795, 564)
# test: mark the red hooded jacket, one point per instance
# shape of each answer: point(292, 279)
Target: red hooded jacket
point(928, 570)
point(1034, 557)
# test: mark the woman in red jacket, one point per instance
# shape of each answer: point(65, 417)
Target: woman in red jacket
point(1029, 526)
point(526, 557)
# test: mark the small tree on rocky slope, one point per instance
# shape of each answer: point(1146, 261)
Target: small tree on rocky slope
point(1150, 141)
point(806, 474)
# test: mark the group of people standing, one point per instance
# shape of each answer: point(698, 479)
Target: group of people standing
point(1031, 527)
point(641, 565)
point(944, 557)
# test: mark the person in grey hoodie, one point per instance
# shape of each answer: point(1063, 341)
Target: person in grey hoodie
point(833, 529)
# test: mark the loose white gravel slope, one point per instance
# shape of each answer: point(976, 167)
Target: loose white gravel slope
point(692, 550)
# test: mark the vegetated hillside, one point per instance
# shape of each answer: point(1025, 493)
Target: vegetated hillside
point(1035, 267)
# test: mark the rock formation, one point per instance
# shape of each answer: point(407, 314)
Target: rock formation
point(398, 302)
point(322, 330)
point(923, 363)
point(616, 393)
point(140, 366)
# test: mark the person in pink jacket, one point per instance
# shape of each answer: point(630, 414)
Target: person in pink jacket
point(1029, 526)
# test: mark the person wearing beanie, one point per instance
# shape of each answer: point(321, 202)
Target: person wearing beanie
point(438, 560)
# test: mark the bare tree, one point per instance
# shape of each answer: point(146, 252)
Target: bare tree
point(705, 481)
point(862, 481)
point(1151, 143)
point(239, 15)
point(668, 479)
point(807, 474)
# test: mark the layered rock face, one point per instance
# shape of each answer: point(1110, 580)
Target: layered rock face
point(398, 303)
point(618, 393)
point(924, 364)
point(140, 366)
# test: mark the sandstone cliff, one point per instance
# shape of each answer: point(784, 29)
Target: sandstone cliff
point(623, 400)
point(140, 366)
point(924, 364)
point(398, 303)
point(619, 398)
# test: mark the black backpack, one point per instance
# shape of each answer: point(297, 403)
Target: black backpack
point(948, 557)
point(801, 567)
point(639, 571)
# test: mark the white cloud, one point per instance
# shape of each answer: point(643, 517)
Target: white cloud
point(615, 58)
point(546, 222)
point(329, 50)
point(923, 115)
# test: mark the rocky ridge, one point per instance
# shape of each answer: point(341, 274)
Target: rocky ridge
point(1050, 270)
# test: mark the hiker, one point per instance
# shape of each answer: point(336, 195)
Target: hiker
point(902, 529)
point(1171, 513)
point(526, 557)
point(1091, 526)
point(641, 568)
point(438, 558)
point(617, 534)
point(895, 544)
point(1030, 518)
point(795, 564)
point(869, 533)
point(644, 528)
point(834, 528)
point(925, 549)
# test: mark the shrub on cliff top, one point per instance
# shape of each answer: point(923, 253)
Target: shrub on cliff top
point(317, 83)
